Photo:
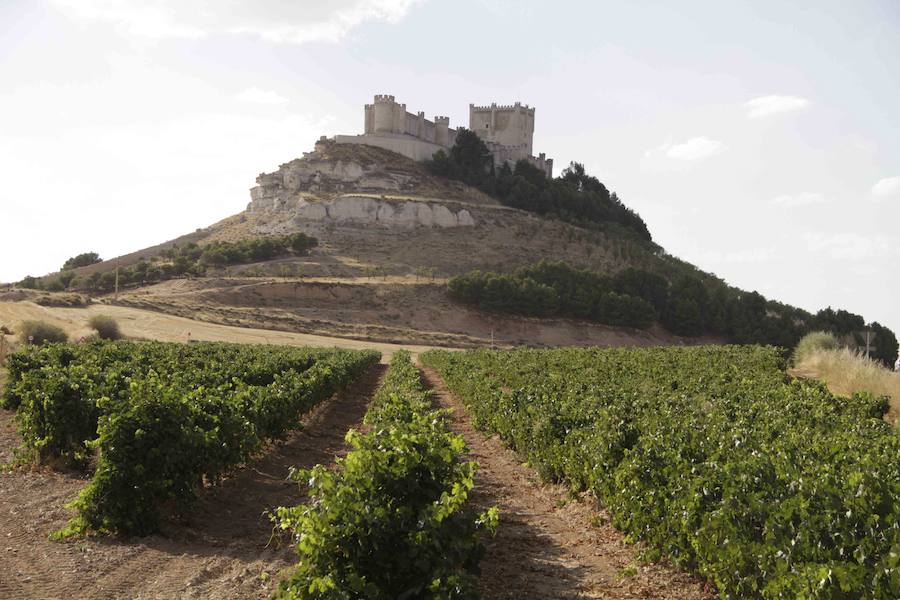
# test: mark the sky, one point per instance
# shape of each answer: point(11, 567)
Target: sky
point(759, 139)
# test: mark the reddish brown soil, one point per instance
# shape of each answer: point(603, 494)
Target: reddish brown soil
point(549, 545)
point(222, 551)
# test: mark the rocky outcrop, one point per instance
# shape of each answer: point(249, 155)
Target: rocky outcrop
point(315, 188)
point(383, 212)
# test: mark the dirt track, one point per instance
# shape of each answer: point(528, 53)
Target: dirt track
point(546, 546)
point(221, 552)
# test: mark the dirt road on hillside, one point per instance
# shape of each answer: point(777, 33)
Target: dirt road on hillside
point(152, 325)
point(549, 546)
point(222, 551)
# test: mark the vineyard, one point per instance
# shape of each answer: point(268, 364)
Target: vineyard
point(392, 521)
point(161, 419)
point(768, 486)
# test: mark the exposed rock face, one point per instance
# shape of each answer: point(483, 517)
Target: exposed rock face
point(317, 189)
point(281, 189)
point(386, 213)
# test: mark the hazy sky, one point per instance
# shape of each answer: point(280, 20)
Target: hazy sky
point(760, 140)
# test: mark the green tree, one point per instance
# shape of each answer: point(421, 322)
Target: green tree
point(82, 260)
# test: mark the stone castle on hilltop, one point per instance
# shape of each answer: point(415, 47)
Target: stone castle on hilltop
point(506, 130)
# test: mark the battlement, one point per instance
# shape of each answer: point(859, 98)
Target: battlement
point(518, 106)
point(507, 129)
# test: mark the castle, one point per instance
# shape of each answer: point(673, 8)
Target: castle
point(506, 130)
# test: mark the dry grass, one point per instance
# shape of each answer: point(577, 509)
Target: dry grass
point(846, 372)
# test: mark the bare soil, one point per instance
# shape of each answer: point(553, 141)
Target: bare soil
point(393, 309)
point(222, 550)
point(550, 545)
point(155, 325)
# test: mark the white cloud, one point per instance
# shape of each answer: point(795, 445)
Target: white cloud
point(254, 95)
point(801, 199)
point(281, 21)
point(889, 187)
point(696, 148)
point(852, 246)
point(765, 106)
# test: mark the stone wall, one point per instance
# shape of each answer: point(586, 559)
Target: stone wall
point(410, 147)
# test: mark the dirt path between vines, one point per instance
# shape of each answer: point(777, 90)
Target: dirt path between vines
point(223, 550)
point(548, 545)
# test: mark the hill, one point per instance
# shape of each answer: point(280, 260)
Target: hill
point(390, 233)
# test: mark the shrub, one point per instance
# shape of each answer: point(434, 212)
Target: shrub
point(82, 260)
point(812, 342)
point(106, 327)
point(39, 332)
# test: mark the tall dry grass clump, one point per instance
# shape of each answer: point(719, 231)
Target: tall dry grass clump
point(846, 372)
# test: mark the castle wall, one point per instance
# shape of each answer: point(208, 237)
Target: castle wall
point(408, 146)
point(508, 131)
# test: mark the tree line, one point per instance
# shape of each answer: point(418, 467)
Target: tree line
point(177, 261)
point(575, 196)
point(686, 305)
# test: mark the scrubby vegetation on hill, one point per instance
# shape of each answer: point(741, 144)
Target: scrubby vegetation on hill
point(178, 261)
point(575, 196)
point(549, 289)
point(687, 305)
point(82, 260)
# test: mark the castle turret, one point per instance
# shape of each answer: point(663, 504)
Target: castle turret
point(384, 113)
point(420, 125)
point(441, 131)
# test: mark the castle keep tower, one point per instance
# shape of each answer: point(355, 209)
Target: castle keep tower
point(506, 130)
point(511, 126)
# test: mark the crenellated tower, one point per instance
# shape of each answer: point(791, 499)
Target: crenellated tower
point(507, 130)
point(507, 125)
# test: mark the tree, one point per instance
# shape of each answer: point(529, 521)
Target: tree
point(688, 304)
point(885, 344)
point(82, 260)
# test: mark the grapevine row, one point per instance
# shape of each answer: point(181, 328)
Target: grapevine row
point(770, 487)
point(160, 419)
point(392, 521)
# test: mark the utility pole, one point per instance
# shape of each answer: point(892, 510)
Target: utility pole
point(868, 348)
point(116, 297)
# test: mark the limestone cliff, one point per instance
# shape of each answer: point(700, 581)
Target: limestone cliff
point(359, 184)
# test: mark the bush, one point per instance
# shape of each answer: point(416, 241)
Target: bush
point(815, 341)
point(82, 260)
point(106, 327)
point(39, 332)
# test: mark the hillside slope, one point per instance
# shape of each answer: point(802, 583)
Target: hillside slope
point(390, 235)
